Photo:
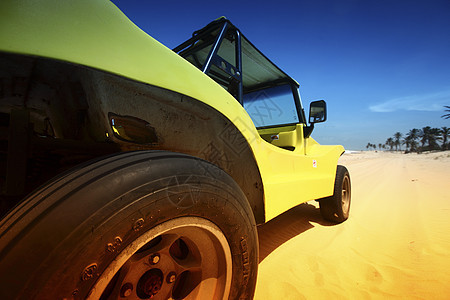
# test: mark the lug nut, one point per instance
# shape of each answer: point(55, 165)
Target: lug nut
point(126, 290)
point(154, 259)
point(171, 277)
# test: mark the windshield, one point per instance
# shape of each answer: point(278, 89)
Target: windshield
point(272, 106)
point(268, 94)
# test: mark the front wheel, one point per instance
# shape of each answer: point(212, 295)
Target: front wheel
point(137, 225)
point(337, 207)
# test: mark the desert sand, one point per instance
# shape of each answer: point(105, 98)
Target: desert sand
point(395, 245)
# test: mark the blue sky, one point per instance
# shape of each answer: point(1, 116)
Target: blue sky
point(382, 65)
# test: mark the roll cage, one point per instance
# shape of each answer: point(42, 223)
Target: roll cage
point(220, 51)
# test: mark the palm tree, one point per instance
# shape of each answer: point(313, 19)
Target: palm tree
point(407, 142)
point(370, 145)
point(435, 136)
point(424, 135)
point(390, 143)
point(430, 136)
point(411, 137)
point(397, 137)
point(444, 133)
point(446, 116)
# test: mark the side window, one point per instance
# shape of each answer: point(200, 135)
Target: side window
point(272, 106)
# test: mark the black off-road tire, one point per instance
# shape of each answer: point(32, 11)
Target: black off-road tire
point(337, 207)
point(138, 225)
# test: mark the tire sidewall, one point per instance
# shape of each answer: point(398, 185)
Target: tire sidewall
point(343, 174)
point(331, 207)
point(116, 208)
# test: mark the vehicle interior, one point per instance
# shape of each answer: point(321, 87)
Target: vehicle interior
point(267, 93)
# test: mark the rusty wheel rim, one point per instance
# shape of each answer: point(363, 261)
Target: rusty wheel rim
point(184, 258)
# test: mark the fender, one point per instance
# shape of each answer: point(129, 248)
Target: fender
point(121, 63)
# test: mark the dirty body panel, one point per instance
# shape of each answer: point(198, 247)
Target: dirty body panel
point(75, 113)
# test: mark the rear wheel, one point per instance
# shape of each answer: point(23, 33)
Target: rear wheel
point(135, 225)
point(337, 207)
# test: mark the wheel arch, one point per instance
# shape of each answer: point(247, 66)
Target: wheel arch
point(88, 113)
point(181, 124)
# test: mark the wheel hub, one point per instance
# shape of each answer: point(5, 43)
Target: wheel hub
point(187, 257)
point(150, 284)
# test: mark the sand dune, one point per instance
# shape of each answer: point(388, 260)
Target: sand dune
point(396, 243)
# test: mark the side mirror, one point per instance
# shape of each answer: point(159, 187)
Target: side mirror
point(317, 112)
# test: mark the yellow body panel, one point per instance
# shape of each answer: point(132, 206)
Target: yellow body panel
point(97, 34)
point(293, 177)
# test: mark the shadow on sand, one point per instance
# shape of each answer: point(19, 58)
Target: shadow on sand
point(291, 223)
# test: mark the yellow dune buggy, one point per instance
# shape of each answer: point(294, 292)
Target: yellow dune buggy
point(132, 171)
